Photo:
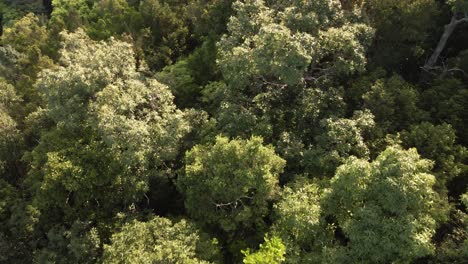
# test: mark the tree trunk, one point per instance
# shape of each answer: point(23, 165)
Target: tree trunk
point(448, 30)
point(47, 4)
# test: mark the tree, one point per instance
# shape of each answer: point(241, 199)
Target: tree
point(445, 102)
point(454, 247)
point(394, 103)
point(79, 244)
point(25, 56)
point(270, 252)
point(9, 66)
point(278, 55)
point(159, 240)
point(8, 14)
point(438, 143)
point(297, 221)
point(297, 46)
point(341, 138)
point(191, 77)
point(17, 225)
point(181, 82)
point(384, 208)
point(10, 137)
point(165, 34)
point(209, 17)
point(229, 184)
point(8, 197)
point(69, 15)
point(113, 18)
point(12, 10)
point(8, 100)
point(26, 34)
point(112, 129)
point(317, 104)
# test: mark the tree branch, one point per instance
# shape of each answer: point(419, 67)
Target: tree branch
point(233, 205)
point(264, 82)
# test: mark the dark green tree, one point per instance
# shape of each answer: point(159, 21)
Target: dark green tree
point(402, 35)
point(438, 143)
point(394, 103)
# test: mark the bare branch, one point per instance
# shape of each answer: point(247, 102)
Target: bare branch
point(458, 70)
point(232, 205)
point(264, 82)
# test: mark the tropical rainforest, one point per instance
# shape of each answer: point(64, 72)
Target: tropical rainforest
point(222, 131)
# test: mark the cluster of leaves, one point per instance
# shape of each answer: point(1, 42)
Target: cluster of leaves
point(158, 240)
point(254, 131)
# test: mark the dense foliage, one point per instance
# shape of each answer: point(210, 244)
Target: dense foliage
point(247, 131)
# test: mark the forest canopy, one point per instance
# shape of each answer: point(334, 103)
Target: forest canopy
point(234, 131)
